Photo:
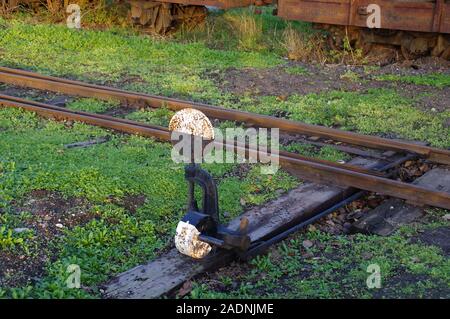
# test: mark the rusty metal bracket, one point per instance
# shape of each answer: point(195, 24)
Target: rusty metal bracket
point(200, 229)
point(362, 10)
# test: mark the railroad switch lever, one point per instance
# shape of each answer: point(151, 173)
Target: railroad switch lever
point(200, 229)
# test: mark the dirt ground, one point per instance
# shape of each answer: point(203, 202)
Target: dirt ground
point(50, 214)
point(317, 78)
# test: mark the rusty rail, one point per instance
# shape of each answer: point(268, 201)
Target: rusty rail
point(38, 81)
point(311, 169)
point(158, 132)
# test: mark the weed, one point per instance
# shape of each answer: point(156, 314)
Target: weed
point(297, 70)
point(327, 152)
point(303, 47)
point(9, 240)
point(436, 79)
point(91, 105)
point(248, 29)
point(159, 116)
point(338, 269)
point(378, 111)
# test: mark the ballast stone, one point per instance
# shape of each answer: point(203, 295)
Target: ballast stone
point(393, 213)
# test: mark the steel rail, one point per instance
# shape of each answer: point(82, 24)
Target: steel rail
point(260, 246)
point(303, 167)
point(50, 83)
point(148, 130)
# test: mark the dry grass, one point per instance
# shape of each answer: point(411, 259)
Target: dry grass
point(248, 29)
point(301, 47)
point(8, 6)
point(315, 48)
point(94, 13)
point(56, 6)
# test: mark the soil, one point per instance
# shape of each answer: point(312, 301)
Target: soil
point(391, 289)
point(316, 79)
point(120, 111)
point(439, 237)
point(50, 214)
point(236, 270)
point(131, 203)
point(56, 99)
point(239, 171)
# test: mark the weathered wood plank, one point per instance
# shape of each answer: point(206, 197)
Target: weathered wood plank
point(167, 272)
point(393, 213)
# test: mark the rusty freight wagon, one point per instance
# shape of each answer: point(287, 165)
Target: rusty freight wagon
point(418, 27)
point(161, 15)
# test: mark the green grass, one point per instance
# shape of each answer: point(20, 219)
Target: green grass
point(438, 80)
point(165, 67)
point(103, 174)
point(297, 70)
point(378, 111)
point(327, 152)
point(350, 76)
point(240, 29)
point(33, 157)
point(91, 105)
point(160, 116)
point(336, 267)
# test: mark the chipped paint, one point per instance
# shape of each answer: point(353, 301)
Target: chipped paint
point(192, 121)
point(187, 242)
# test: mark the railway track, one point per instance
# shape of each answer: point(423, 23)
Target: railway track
point(374, 176)
point(304, 167)
point(139, 100)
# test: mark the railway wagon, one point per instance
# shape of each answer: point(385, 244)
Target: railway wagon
point(418, 27)
point(161, 15)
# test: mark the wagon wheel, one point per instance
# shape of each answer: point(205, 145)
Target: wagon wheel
point(334, 42)
point(155, 16)
point(364, 45)
point(341, 37)
point(442, 47)
point(8, 5)
point(162, 18)
point(190, 16)
point(407, 53)
point(415, 47)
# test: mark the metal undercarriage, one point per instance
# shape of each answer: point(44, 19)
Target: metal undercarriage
point(412, 27)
